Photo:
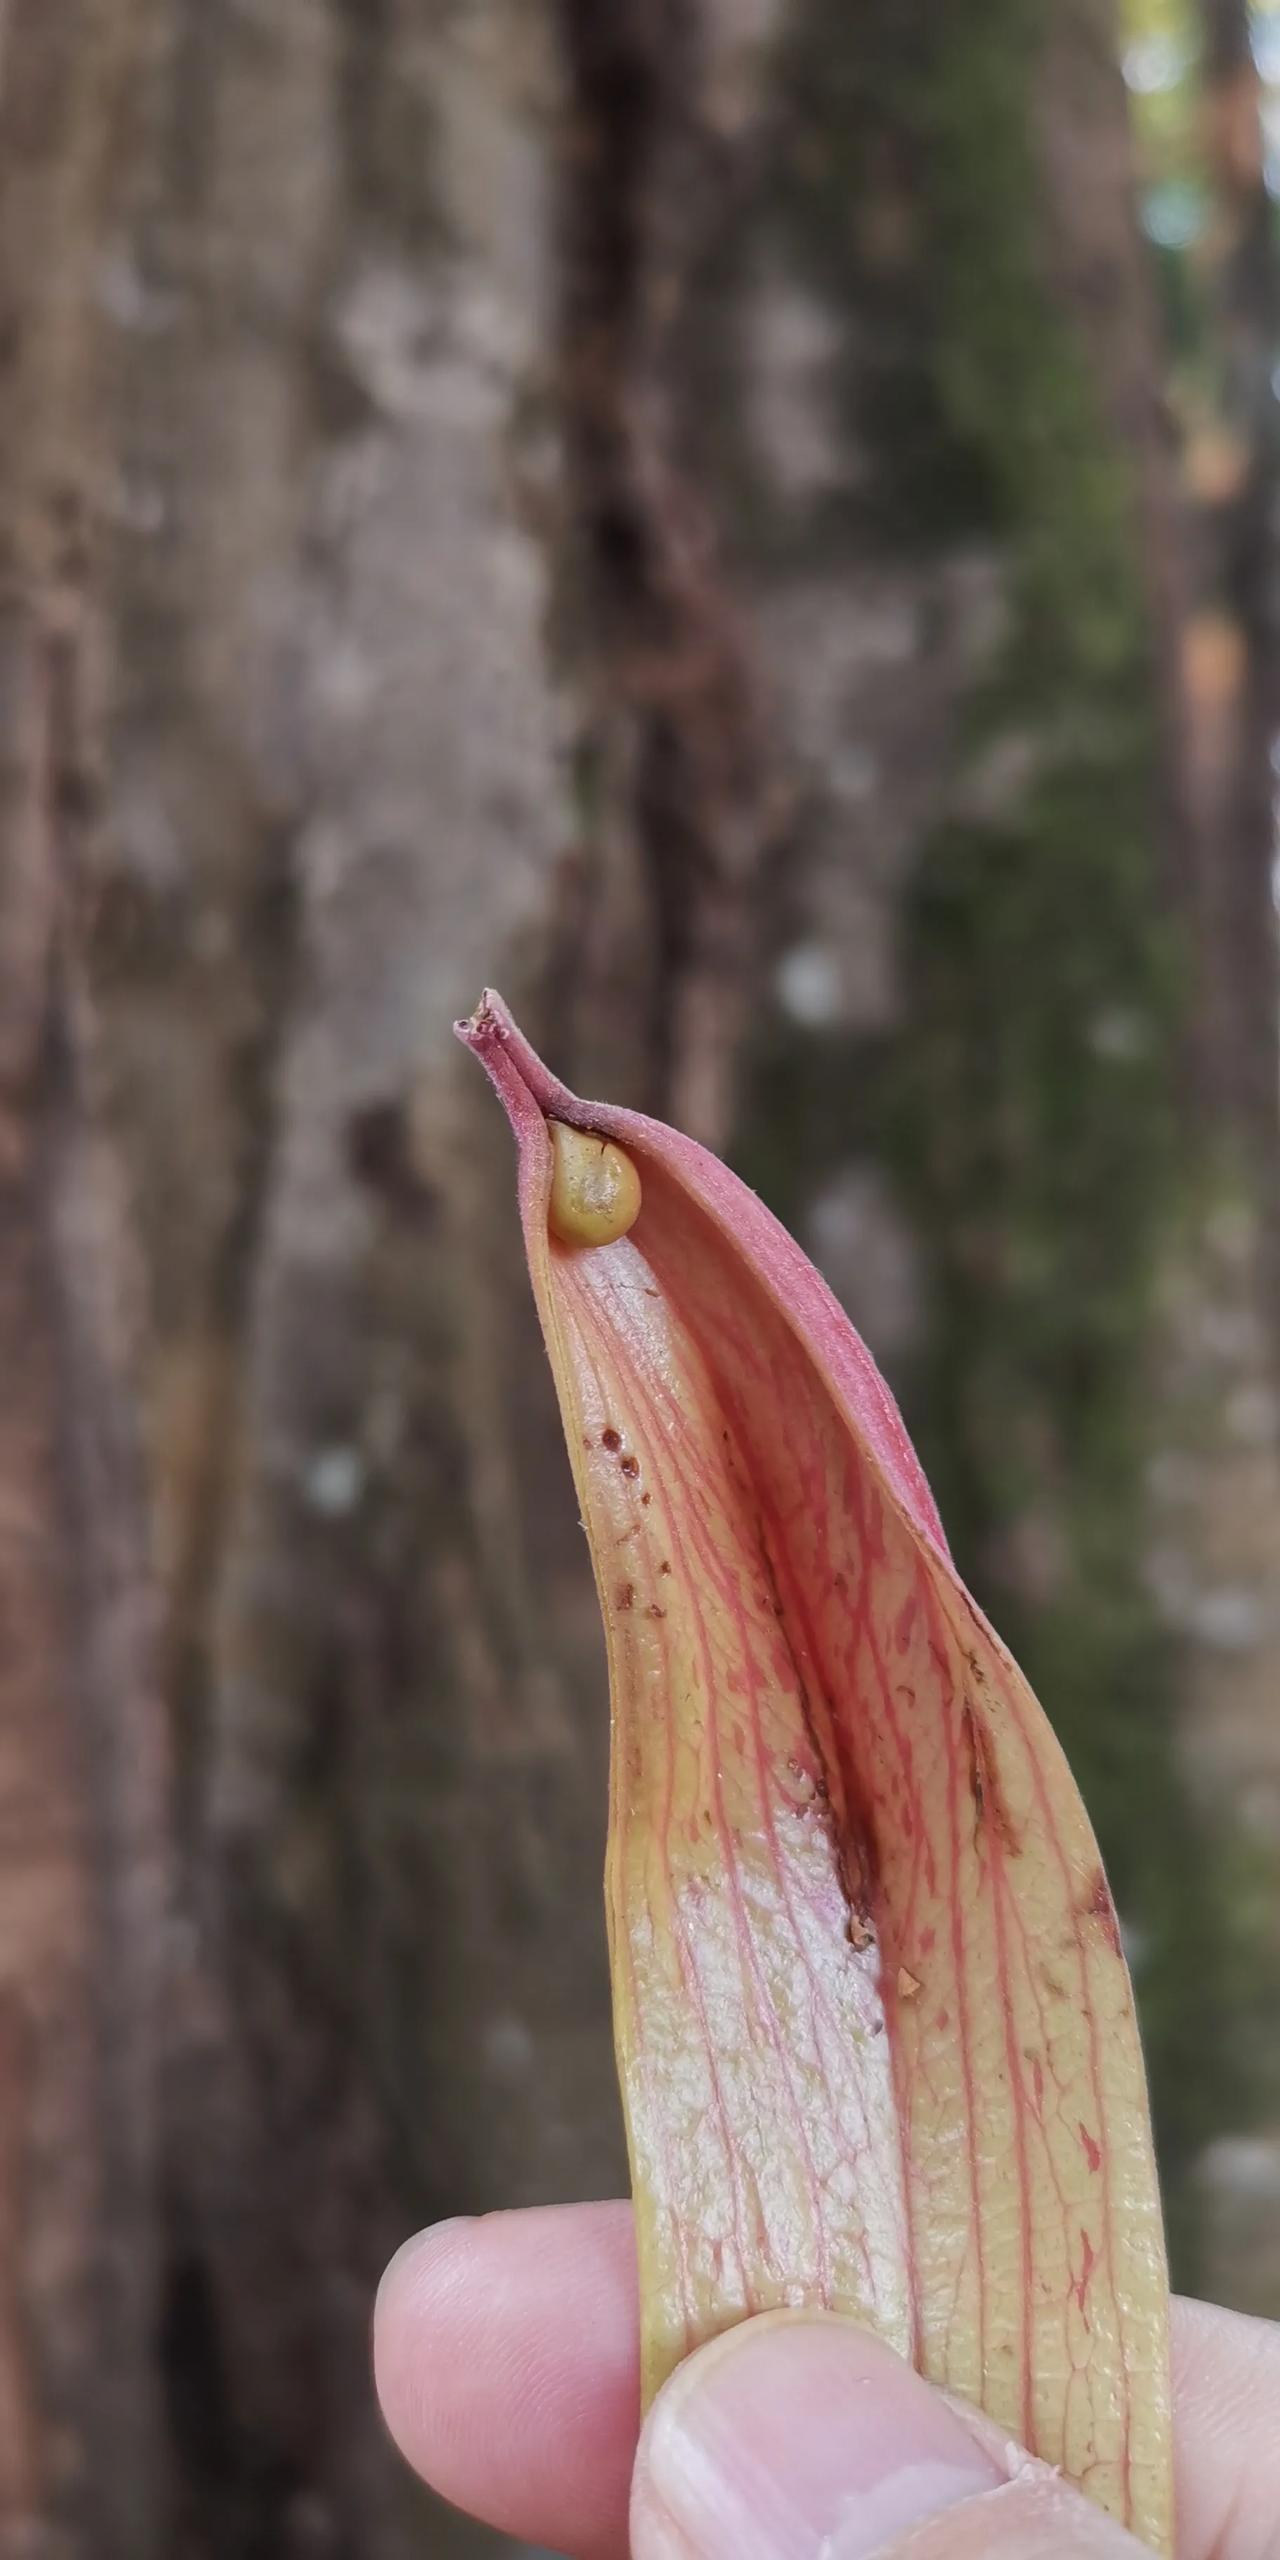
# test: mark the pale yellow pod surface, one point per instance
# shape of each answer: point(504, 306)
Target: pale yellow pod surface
point(595, 1188)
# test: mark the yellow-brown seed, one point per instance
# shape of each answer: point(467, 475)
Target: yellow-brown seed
point(595, 1188)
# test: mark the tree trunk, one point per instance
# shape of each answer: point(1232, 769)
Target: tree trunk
point(1221, 1543)
point(660, 504)
point(1241, 582)
point(81, 1787)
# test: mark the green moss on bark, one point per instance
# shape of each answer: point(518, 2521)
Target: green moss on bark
point(1027, 1110)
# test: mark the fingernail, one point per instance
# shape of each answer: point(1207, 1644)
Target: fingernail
point(794, 2438)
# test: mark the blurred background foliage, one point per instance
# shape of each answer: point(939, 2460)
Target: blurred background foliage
point(755, 526)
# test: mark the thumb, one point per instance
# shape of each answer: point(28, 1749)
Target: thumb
point(802, 2437)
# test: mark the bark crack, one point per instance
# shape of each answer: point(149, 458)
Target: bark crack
point(678, 716)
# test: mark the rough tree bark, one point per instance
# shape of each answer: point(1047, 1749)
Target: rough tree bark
point(81, 1786)
point(1222, 1542)
point(637, 501)
point(1241, 578)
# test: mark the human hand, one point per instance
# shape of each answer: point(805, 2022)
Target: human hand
point(505, 2355)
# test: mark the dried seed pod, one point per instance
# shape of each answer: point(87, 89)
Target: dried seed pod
point(875, 2031)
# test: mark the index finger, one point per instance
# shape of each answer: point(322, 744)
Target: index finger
point(506, 2359)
